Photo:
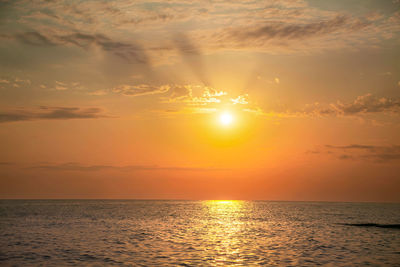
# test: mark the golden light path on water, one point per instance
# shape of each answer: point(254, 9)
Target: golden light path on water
point(225, 228)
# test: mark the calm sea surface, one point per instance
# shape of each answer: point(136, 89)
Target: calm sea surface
point(197, 233)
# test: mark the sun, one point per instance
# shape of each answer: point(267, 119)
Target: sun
point(226, 118)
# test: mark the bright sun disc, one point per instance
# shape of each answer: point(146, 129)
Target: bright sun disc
point(226, 118)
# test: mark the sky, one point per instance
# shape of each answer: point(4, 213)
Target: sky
point(123, 99)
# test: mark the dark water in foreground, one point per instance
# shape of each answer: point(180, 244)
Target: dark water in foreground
point(193, 233)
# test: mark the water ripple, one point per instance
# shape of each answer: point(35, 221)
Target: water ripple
point(197, 233)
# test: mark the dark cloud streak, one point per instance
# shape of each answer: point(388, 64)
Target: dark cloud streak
point(130, 52)
point(126, 51)
point(378, 154)
point(34, 38)
point(51, 113)
point(79, 167)
point(259, 34)
point(362, 105)
point(140, 89)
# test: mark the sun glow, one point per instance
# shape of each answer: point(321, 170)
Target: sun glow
point(226, 118)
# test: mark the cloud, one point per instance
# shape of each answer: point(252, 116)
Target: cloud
point(60, 86)
point(283, 33)
point(80, 167)
point(175, 93)
point(51, 113)
point(182, 98)
point(141, 89)
point(242, 100)
point(387, 73)
point(290, 31)
point(4, 81)
point(197, 27)
point(208, 96)
point(369, 104)
point(198, 95)
point(378, 154)
point(362, 105)
point(353, 146)
point(128, 51)
point(14, 82)
point(178, 92)
point(33, 38)
point(195, 95)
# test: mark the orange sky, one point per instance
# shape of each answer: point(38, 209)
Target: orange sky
point(123, 99)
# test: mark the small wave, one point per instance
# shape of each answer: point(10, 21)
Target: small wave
point(391, 226)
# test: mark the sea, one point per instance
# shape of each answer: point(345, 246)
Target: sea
point(198, 233)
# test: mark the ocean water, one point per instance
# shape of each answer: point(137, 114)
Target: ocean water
point(197, 233)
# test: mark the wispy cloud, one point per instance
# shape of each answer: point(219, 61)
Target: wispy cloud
point(140, 89)
point(204, 27)
point(72, 166)
point(174, 93)
point(298, 31)
point(203, 96)
point(51, 113)
point(60, 86)
point(286, 31)
point(241, 99)
point(361, 152)
point(4, 81)
point(15, 82)
point(128, 51)
point(124, 50)
point(362, 105)
point(379, 154)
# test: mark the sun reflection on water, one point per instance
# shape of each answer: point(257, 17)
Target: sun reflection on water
point(225, 229)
